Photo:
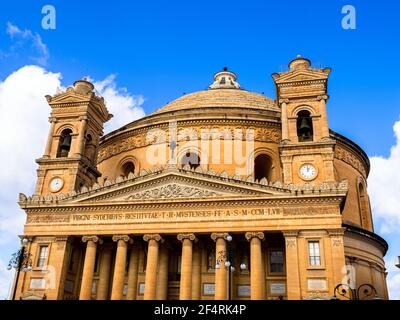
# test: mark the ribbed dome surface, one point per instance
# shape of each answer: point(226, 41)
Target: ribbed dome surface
point(220, 98)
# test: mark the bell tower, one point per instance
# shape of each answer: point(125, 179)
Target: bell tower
point(306, 148)
point(76, 125)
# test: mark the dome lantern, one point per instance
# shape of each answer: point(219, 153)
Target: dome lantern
point(225, 80)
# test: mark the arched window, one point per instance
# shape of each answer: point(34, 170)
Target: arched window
point(364, 206)
point(192, 159)
point(304, 126)
point(127, 168)
point(262, 167)
point(64, 145)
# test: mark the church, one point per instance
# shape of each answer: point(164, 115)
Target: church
point(220, 194)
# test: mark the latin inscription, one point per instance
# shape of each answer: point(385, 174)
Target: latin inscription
point(168, 216)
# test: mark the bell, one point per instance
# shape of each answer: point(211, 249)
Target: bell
point(66, 143)
point(304, 126)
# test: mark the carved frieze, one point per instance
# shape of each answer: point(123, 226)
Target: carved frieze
point(310, 211)
point(150, 137)
point(348, 157)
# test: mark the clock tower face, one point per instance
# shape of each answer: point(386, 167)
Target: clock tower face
point(56, 184)
point(308, 172)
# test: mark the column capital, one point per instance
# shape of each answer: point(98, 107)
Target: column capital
point(183, 236)
point(336, 232)
point(323, 97)
point(123, 237)
point(83, 118)
point(219, 235)
point(251, 235)
point(53, 119)
point(153, 236)
point(92, 238)
point(283, 100)
point(290, 233)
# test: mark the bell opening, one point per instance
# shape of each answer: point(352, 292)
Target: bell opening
point(304, 126)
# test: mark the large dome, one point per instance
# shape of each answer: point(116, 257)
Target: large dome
point(220, 98)
point(224, 92)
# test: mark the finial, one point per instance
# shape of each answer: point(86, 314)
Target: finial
point(225, 68)
point(299, 56)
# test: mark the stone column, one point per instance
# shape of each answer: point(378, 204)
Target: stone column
point(133, 273)
point(284, 120)
point(104, 273)
point(293, 287)
point(324, 117)
point(120, 265)
point(151, 267)
point(49, 143)
point(257, 276)
point(185, 292)
point(81, 136)
point(221, 273)
point(196, 273)
point(162, 279)
point(88, 267)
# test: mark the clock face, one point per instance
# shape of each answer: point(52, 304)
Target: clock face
point(308, 171)
point(56, 184)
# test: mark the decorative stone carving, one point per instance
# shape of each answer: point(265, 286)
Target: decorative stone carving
point(183, 236)
point(264, 182)
point(348, 157)
point(278, 184)
point(123, 237)
point(173, 191)
point(224, 175)
point(343, 185)
point(211, 172)
point(153, 236)
point(22, 198)
point(96, 186)
point(218, 235)
point(291, 243)
point(198, 169)
point(236, 177)
point(291, 238)
point(95, 239)
point(131, 175)
point(119, 179)
point(60, 197)
point(250, 179)
point(250, 235)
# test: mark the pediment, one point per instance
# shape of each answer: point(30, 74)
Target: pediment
point(69, 97)
point(176, 186)
point(302, 75)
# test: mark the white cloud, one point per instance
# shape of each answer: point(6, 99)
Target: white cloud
point(31, 42)
point(393, 277)
point(23, 133)
point(6, 277)
point(384, 186)
point(120, 103)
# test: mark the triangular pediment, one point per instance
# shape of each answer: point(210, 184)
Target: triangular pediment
point(176, 185)
point(302, 75)
point(69, 97)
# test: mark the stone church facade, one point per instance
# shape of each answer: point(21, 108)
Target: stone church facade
point(221, 194)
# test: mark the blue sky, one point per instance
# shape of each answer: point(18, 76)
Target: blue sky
point(162, 49)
